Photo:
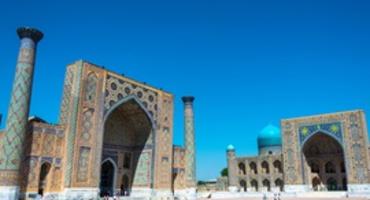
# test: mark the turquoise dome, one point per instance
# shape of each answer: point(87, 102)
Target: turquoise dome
point(230, 147)
point(269, 136)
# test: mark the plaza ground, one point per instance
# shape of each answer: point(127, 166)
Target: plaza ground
point(288, 198)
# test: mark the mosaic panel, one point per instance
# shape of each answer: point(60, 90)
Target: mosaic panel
point(72, 123)
point(117, 89)
point(87, 124)
point(83, 164)
point(90, 88)
point(334, 129)
point(17, 118)
point(67, 90)
point(142, 173)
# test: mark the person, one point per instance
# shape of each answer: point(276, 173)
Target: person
point(122, 190)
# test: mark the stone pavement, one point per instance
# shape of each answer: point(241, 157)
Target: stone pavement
point(287, 198)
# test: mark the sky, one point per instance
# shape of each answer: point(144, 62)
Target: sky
point(248, 63)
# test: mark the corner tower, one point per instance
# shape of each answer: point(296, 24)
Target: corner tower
point(11, 143)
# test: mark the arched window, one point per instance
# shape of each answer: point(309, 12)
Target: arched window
point(253, 168)
point(242, 168)
point(265, 167)
point(315, 168)
point(329, 168)
point(277, 166)
point(243, 186)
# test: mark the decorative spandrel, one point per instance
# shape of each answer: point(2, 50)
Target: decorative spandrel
point(334, 129)
point(117, 89)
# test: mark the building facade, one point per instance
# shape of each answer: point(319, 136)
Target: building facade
point(114, 136)
point(328, 152)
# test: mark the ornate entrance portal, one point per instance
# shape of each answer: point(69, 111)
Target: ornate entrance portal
point(324, 166)
point(127, 149)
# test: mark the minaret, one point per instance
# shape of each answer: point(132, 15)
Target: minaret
point(190, 174)
point(231, 167)
point(11, 143)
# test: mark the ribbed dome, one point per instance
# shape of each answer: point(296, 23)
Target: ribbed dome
point(269, 136)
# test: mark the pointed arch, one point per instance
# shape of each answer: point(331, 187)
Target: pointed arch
point(322, 132)
point(43, 177)
point(129, 127)
point(114, 181)
point(127, 99)
point(265, 167)
point(242, 170)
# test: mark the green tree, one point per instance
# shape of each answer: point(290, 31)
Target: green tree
point(224, 172)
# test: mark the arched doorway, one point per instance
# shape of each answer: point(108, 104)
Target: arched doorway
point(322, 151)
point(279, 184)
point(44, 172)
point(128, 141)
point(331, 184)
point(125, 185)
point(107, 178)
point(254, 185)
point(243, 186)
point(266, 185)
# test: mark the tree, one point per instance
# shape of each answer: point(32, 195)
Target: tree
point(224, 172)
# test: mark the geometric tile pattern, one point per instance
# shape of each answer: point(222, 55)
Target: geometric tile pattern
point(90, 88)
point(72, 123)
point(142, 173)
point(67, 90)
point(333, 129)
point(83, 164)
point(11, 146)
point(189, 142)
point(117, 89)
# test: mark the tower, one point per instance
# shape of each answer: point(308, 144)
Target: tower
point(11, 143)
point(231, 167)
point(190, 174)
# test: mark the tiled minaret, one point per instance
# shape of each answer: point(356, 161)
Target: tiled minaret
point(11, 143)
point(189, 142)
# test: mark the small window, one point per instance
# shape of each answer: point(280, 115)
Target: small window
point(127, 161)
point(270, 152)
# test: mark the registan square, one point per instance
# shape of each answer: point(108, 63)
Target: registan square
point(169, 100)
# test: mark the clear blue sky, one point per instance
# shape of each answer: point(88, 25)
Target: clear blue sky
point(248, 63)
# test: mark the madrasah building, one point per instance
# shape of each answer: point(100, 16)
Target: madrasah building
point(326, 153)
point(114, 137)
